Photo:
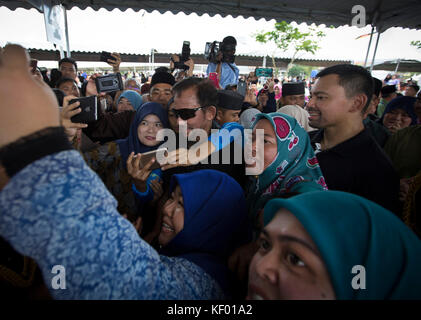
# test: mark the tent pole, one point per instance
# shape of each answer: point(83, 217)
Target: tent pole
point(375, 51)
point(66, 30)
point(369, 45)
point(397, 66)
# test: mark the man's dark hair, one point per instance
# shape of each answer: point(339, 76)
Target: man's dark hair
point(206, 92)
point(230, 40)
point(415, 87)
point(162, 69)
point(354, 79)
point(63, 80)
point(377, 86)
point(70, 60)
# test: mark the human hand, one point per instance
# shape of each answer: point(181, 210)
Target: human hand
point(174, 58)
point(26, 105)
point(66, 113)
point(157, 189)
point(187, 157)
point(91, 86)
point(271, 85)
point(139, 175)
point(190, 64)
point(250, 97)
point(115, 63)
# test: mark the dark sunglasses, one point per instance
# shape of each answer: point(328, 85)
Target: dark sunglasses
point(185, 114)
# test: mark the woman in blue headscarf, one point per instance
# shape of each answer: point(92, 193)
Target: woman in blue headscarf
point(129, 100)
point(205, 227)
point(399, 114)
point(109, 161)
point(334, 245)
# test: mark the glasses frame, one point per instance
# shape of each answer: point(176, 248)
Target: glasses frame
point(178, 115)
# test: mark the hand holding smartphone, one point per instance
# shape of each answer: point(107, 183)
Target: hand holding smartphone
point(105, 56)
point(89, 111)
point(146, 157)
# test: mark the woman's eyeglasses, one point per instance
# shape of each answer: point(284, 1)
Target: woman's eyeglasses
point(185, 113)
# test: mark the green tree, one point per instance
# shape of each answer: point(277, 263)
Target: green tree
point(286, 36)
point(296, 71)
point(416, 44)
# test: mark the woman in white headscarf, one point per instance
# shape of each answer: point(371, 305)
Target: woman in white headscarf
point(300, 114)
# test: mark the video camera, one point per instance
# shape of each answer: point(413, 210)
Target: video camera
point(185, 55)
point(226, 47)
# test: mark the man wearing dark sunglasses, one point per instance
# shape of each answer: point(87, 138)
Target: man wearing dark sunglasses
point(195, 104)
point(194, 107)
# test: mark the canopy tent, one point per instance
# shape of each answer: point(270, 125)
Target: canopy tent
point(240, 60)
point(381, 13)
point(399, 65)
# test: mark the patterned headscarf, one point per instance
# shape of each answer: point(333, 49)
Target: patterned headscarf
point(294, 169)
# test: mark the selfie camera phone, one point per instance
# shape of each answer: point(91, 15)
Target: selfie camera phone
point(148, 156)
point(242, 87)
point(213, 76)
point(89, 111)
point(105, 56)
point(264, 72)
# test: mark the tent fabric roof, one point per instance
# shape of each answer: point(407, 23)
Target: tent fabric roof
point(240, 60)
point(383, 13)
point(403, 66)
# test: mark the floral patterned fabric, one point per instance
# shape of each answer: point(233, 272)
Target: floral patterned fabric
point(57, 211)
point(107, 162)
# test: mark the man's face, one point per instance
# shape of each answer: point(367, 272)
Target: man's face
point(297, 99)
point(68, 70)
point(69, 88)
point(417, 105)
point(410, 91)
point(226, 115)
point(202, 118)
point(161, 93)
point(328, 105)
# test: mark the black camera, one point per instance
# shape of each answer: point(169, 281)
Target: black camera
point(212, 50)
point(109, 82)
point(185, 55)
point(226, 47)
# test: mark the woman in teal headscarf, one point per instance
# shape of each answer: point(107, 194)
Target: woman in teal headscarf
point(334, 245)
point(290, 165)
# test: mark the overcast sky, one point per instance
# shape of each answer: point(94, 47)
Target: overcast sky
point(138, 32)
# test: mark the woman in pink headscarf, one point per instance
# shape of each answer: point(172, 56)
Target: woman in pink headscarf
point(278, 91)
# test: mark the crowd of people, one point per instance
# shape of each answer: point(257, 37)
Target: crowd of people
point(335, 185)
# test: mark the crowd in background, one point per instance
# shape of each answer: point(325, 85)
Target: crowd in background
point(339, 186)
